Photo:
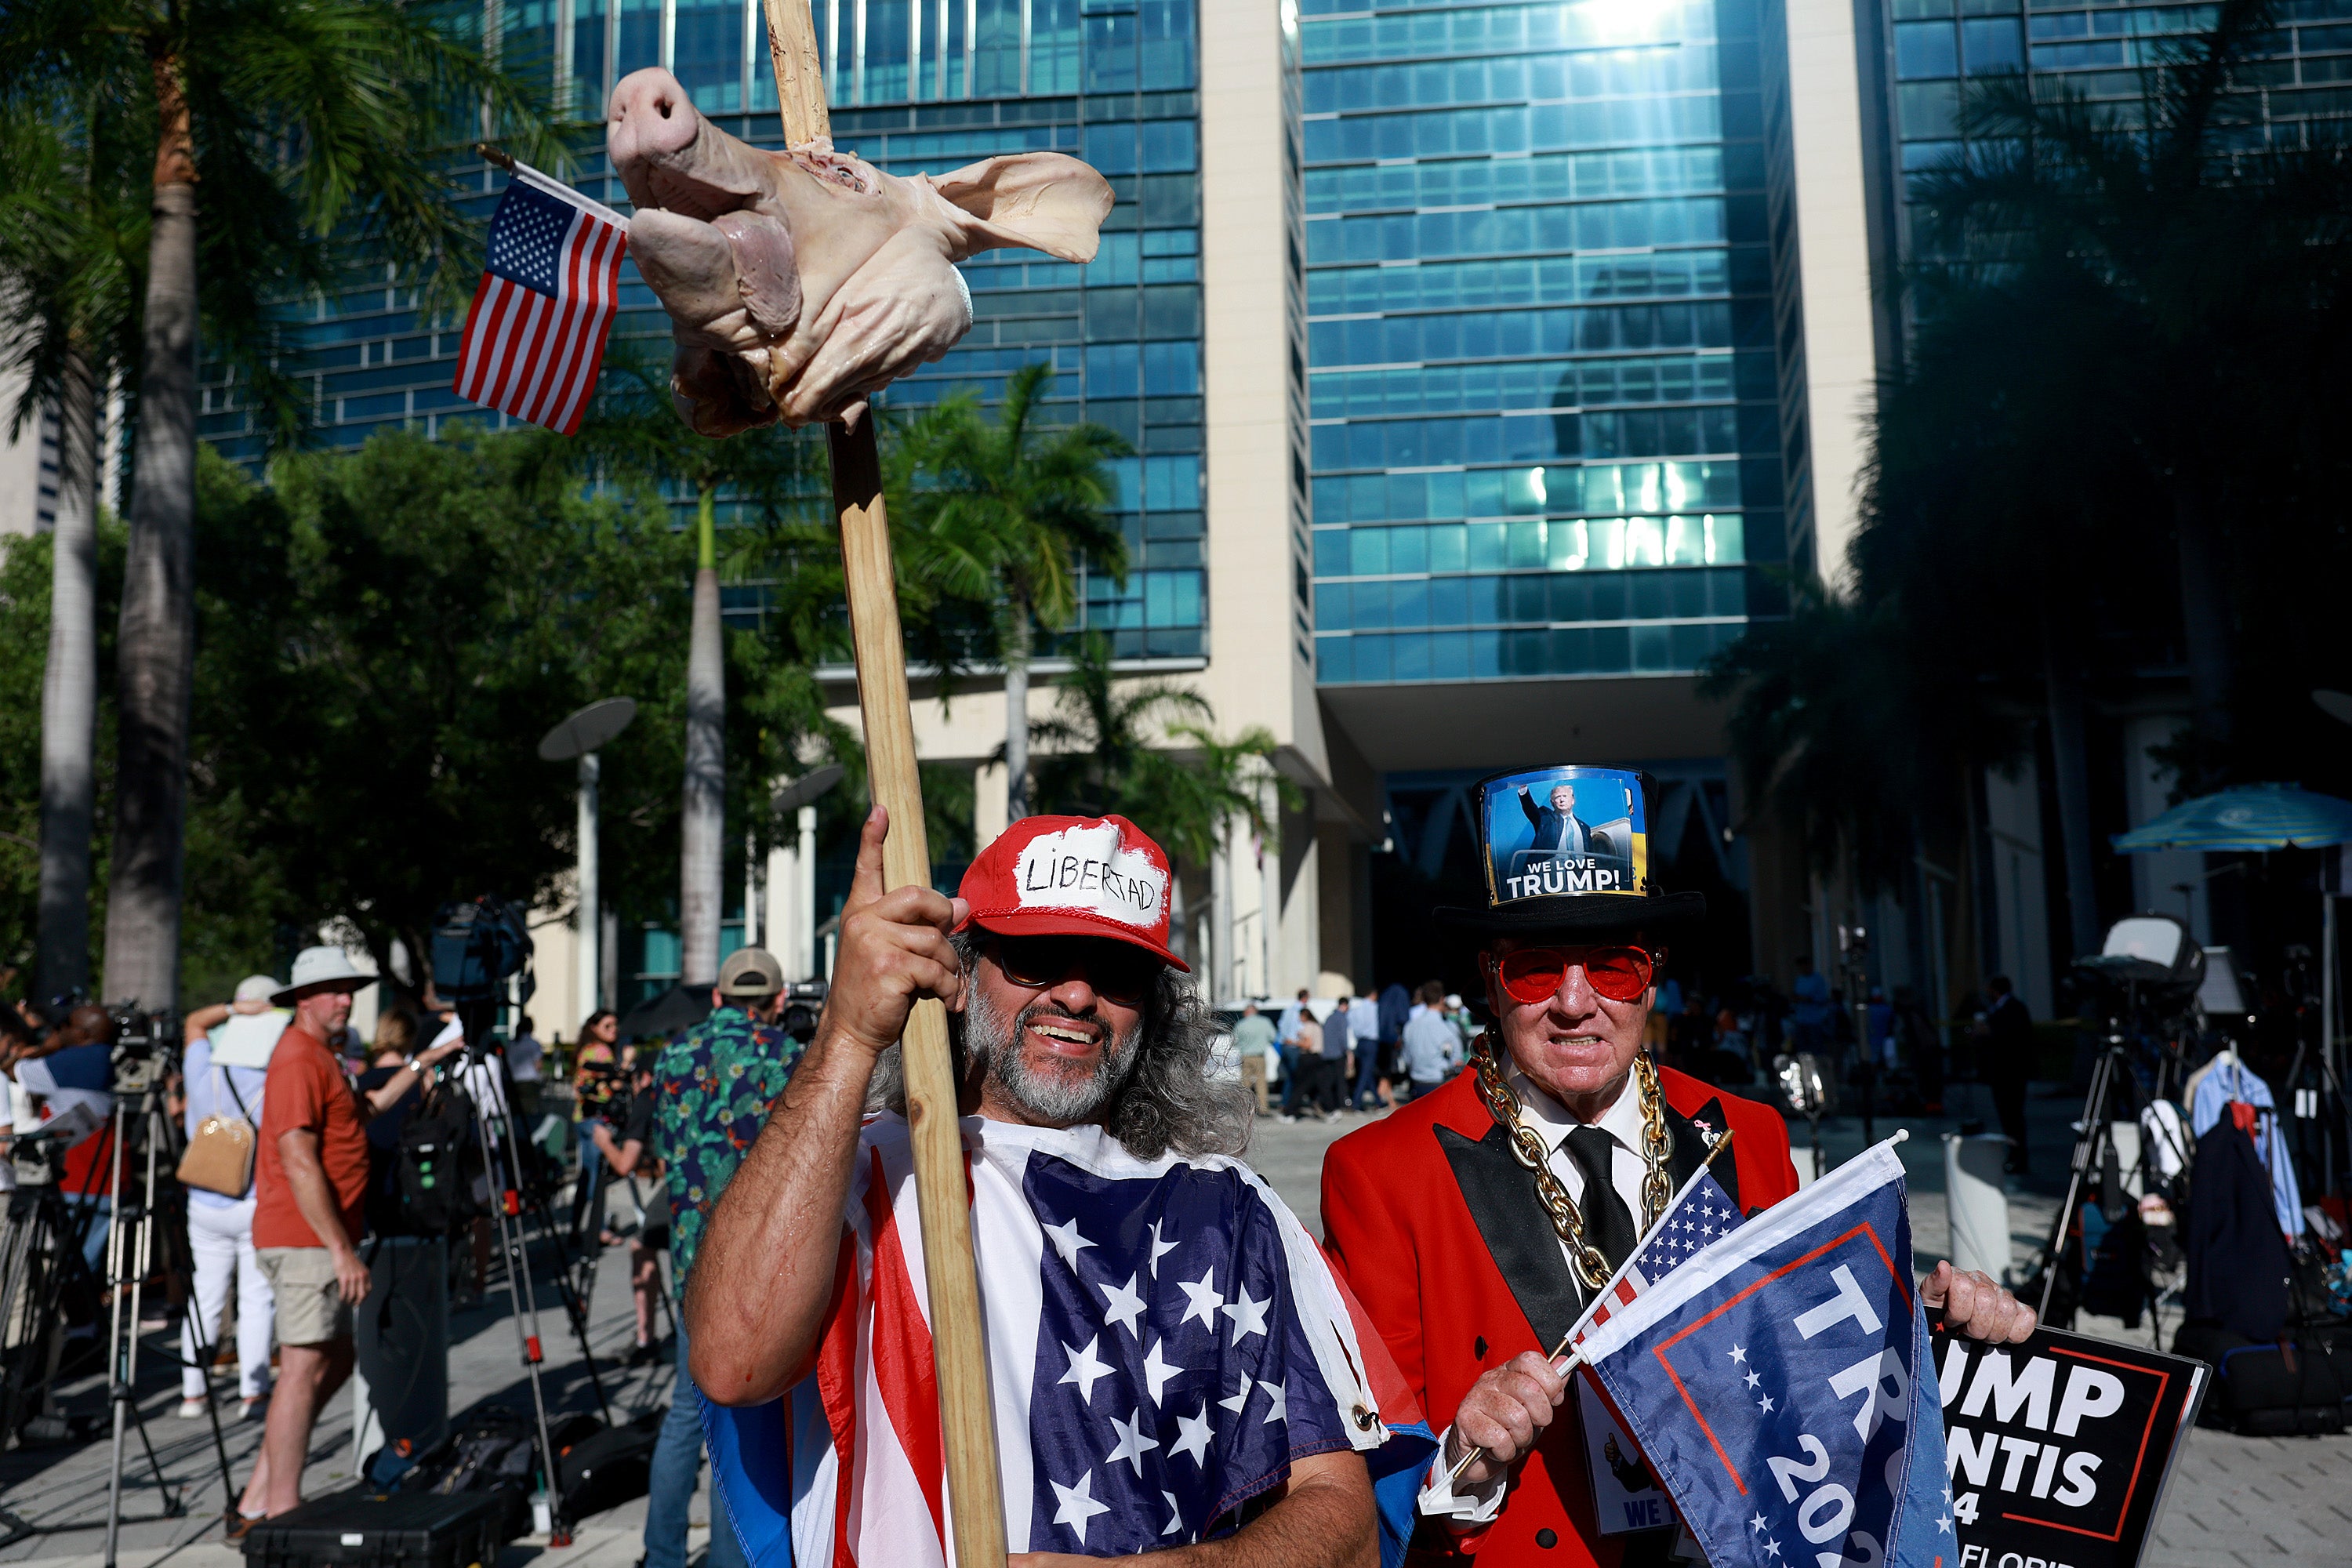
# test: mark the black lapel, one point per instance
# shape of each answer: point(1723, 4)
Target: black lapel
point(1690, 1149)
point(1502, 1199)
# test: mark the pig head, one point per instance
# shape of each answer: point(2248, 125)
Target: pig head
point(800, 283)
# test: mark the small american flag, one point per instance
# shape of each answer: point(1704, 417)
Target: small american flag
point(535, 336)
point(1700, 1212)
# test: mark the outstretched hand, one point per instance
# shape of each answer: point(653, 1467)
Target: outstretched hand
point(1976, 1305)
point(894, 950)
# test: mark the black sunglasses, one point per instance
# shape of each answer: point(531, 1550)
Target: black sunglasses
point(1118, 971)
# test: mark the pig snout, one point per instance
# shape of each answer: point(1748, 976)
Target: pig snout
point(669, 157)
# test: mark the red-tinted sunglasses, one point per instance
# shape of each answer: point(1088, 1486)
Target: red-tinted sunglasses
point(1535, 974)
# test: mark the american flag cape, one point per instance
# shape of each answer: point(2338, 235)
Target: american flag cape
point(535, 337)
point(1164, 1339)
point(1778, 1382)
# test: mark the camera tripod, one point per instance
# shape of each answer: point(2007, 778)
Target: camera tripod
point(509, 1193)
point(46, 1243)
point(2113, 1087)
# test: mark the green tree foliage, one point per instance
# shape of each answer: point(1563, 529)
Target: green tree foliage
point(383, 637)
point(1149, 750)
point(1003, 513)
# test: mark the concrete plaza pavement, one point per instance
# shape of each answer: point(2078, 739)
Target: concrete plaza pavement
point(2235, 1502)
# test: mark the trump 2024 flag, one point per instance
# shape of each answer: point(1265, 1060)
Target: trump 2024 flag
point(1780, 1385)
point(535, 337)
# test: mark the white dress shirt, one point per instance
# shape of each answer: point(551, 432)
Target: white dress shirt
point(1552, 1123)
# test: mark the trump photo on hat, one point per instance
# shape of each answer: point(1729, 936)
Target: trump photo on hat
point(1565, 851)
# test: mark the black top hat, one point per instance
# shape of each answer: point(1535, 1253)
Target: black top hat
point(1566, 854)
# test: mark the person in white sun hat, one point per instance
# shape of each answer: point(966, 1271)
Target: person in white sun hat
point(310, 1192)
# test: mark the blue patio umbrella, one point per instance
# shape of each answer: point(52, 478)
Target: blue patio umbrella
point(2250, 816)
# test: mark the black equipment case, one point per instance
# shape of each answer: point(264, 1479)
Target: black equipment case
point(363, 1528)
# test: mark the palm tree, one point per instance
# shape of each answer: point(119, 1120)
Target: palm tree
point(2213, 276)
point(1008, 512)
point(314, 129)
point(775, 477)
point(68, 236)
point(1149, 750)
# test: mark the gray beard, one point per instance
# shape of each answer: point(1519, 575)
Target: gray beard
point(1064, 1099)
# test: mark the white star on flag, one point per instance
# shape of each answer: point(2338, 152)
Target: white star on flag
point(1067, 1241)
point(1175, 1516)
point(1237, 1401)
point(1765, 1405)
point(1204, 1300)
point(1280, 1409)
point(1192, 1436)
point(1739, 1353)
point(1771, 1549)
point(1756, 1524)
point(1248, 1317)
point(1123, 1304)
point(1133, 1442)
point(1158, 1249)
point(1157, 1372)
point(1077, 1504)
point(1084, 1368)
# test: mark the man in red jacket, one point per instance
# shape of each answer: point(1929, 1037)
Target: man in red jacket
point(1475, 1223)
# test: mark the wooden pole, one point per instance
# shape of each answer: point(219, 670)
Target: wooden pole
point(967, 1415)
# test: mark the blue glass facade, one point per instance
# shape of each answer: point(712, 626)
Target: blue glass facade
point(917, 86)
point(1542, 371)
point(2300, 93)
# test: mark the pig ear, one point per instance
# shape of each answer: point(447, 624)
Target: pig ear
point(1046, 201)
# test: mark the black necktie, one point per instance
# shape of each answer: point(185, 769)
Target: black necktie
point(1607, 1224)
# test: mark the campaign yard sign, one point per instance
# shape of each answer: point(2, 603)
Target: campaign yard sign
point(2058, 1448)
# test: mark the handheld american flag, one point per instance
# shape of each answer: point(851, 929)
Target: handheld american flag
point(535, 337)
point(1778, 1383)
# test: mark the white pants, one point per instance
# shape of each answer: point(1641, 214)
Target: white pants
point(222, 1240)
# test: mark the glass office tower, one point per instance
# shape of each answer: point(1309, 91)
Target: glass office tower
point(1542, 367)
point(2297, 93)
point(916, 85)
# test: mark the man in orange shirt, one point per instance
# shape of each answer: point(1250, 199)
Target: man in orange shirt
point(309, 1183)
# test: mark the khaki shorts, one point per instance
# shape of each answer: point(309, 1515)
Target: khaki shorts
point(310, 1310)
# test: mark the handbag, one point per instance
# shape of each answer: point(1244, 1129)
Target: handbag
point(220, 1156)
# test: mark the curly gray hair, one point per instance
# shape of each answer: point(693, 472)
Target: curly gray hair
point(1167, 1101)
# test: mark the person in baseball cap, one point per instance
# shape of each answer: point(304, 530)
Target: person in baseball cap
point(1107, 1204)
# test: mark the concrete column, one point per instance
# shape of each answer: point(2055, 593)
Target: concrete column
point(989, 791)
point(751, 891)
point(785, 938)
point(590, 967)
point(1221, 916)
point(804, 905)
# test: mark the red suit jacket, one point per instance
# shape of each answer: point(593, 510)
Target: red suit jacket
point(1439, 1233)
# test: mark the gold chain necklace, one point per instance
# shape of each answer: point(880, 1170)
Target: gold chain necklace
point(1657, 1184)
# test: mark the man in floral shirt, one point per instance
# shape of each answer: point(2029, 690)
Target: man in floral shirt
point(713, 1086)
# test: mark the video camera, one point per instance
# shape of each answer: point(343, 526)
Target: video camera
point(799, 1005)
point(143, 1043)
point(478, 945)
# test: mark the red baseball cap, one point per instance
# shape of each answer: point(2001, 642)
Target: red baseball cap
point(1074, 876)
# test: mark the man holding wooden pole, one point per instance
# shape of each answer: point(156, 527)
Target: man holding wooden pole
point(1172, 1365)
